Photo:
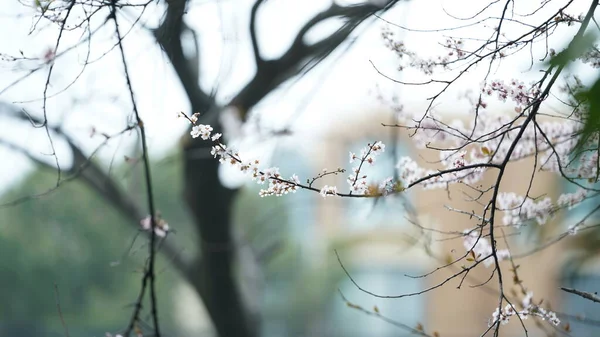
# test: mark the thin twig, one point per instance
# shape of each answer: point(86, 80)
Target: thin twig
point(149, 274)
point(587, 295)
point(60, 314)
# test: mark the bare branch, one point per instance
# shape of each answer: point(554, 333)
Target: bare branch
point(168, 35)
point(255, 47)
point(300, 56)
point(149, 273)
point(59, 310)
point(588, 296)
point(375, 313)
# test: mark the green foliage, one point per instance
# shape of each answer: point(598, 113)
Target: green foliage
point(75, 239)
point(575, 50)
point(69, 238)
point(65, 226)
point(587, 97)
point(591, 98)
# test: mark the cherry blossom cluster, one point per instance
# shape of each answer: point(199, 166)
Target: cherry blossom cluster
point(456, 47)
point(481, 249)
point(328, 191)
point(356, 180)
point(204, 131)
point(277, 185)
point(529, 309)
point(410, 171)
point(585, 166)
point(161, 229)
point(550, 139)
point(515, 90)
point(571, 200)
point(388, 186)
point(518, 209)
point(427, 66)
point(489, 138)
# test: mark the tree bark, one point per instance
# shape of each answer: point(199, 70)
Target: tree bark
point(215, 278)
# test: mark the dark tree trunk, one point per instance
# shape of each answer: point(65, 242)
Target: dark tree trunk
point(214, 276)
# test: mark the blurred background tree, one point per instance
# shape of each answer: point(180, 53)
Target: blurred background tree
point(74, 239)
point(244, 257)
point(182, 37)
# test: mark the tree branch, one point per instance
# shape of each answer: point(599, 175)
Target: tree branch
point(208, 200)
point(255, 47)
point(300, 56)
point(168, 35)
point(588, 296)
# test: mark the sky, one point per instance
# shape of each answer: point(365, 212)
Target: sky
point(343, 86)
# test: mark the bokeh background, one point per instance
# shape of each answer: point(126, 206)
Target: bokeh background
point(71, 247)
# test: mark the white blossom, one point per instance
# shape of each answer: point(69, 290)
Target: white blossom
point(161, 227)
point(328, 191)
point(202, 131)
point(482, 249)
point(571, 200)
point(529, 309)
point(518, 210)
point(573, 229)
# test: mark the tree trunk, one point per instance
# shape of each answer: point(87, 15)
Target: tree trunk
point(215, 278)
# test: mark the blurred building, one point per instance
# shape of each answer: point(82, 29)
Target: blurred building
point(384, 244)
point(388, 245)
